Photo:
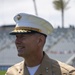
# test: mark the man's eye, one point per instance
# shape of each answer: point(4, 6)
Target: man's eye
point(24, 37)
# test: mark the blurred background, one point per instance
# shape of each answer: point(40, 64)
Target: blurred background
point(60, 45)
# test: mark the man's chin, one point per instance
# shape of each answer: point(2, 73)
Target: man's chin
point(22, 54)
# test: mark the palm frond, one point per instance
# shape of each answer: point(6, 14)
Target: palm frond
point(60, 4)
point(66, 3)
point(57, 4)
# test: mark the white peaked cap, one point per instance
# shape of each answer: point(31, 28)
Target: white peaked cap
point(26, 23)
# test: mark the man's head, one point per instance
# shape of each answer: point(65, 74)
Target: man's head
point(28, 44)
point(31, 32)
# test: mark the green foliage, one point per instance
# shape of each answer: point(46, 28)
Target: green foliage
point(60, 4)
point(57, 4)
point(2, 72)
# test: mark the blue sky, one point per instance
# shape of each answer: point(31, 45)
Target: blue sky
point(9, 8)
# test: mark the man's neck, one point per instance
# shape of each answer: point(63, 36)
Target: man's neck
point(34, 60)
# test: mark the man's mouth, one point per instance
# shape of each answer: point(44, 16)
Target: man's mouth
point(20, 49)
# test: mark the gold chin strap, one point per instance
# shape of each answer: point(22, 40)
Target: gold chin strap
point(25, 29)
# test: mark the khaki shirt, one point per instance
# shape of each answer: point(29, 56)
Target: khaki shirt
point(47, 67)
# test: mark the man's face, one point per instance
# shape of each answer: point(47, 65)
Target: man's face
point(26, 44)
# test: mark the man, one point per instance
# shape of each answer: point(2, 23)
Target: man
point(31, 32)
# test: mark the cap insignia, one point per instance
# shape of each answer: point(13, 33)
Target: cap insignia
point(19, 17)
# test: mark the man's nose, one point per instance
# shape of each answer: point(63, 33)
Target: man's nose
point(18, 41)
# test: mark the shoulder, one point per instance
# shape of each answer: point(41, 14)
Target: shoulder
point(14, 69)
point(16, 66)
point(65, 68)
point(57, 67)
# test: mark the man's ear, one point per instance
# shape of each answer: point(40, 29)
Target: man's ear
point(38, 41)
point(41, 40)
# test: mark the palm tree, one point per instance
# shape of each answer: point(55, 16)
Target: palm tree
point(61, 5)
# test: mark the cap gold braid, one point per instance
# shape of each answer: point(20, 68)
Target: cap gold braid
point(22, 29)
